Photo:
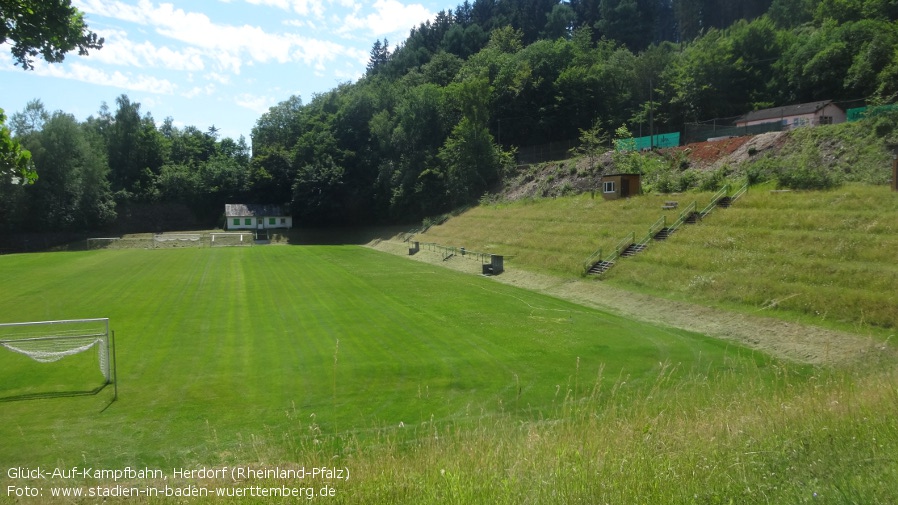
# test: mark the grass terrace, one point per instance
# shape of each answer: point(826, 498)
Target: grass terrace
point(555, 235)
point(823, 257)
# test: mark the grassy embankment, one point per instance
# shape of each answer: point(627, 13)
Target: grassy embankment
point(823, 257)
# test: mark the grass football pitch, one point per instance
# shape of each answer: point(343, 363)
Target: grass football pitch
point(219, 347)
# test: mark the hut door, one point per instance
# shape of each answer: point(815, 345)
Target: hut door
point(624, 187)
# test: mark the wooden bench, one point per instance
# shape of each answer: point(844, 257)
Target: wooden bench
point(670, 205)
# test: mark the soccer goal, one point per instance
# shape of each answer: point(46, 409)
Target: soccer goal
point(48, 342)
point(226, 239)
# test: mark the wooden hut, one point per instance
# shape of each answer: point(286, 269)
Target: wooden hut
point(616, 186)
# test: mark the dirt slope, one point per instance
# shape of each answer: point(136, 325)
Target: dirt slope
point(575, 176)
point(732, 151)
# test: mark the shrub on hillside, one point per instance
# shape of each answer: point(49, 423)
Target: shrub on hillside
point(714, 179)
point(760, 171)
point(808, 170)
point(808, 177)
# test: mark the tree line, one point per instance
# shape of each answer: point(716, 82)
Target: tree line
point(89, 173)
point(435, 121)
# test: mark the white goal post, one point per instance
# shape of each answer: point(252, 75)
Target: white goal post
point(50, 341)
point(222, 239)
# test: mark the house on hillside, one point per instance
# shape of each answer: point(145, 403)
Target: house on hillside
point(616, 186)
point(242, 216)
point(795, 116)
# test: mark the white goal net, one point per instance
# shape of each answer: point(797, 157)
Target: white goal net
point(49, 341)
point(177, 240)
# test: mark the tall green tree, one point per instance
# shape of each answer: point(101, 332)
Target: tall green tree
point(380, 54)
point(73, 192)
point(560, 22)
point(29, 120)
point(135, 150)
point(472, 159)
point(15, 161)
point(629, 22)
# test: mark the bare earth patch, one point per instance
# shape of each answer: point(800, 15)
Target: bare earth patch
point(793, 341)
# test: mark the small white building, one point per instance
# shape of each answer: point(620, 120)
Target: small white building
point(241, 216)
point(795, 116)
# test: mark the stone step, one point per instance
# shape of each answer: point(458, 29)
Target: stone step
point(600, 267)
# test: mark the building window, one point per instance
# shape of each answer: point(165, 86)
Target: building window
point(272, 220)
point(608, 187)
point(826, 120)
point(248, 221)
point(236, 221)
point(283, 220)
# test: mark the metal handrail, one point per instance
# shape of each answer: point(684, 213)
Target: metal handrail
point(621, 246)
point(406, 236)
point(722, 192)
point(739, 192)
point(683, 216)
point(448, 251)
point(592, 260)
point(657, 226)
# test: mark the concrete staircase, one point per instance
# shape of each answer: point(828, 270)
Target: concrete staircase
point(633, 250)
point(600, 267)
point(663, 234)
point(629, 246)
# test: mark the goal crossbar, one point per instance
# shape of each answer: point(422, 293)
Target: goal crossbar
point(104, 320)
point(46, 342)
point(50, 337)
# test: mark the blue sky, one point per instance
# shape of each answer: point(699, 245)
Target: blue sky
point(213, 62)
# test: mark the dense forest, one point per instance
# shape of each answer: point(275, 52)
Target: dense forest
point(435, 122)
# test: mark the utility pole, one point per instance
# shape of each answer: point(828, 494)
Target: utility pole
point(651, 117)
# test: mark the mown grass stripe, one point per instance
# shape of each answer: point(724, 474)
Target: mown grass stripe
point(218, 346)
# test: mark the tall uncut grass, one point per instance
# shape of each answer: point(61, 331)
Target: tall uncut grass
point(718, 437)
point(826, 257)
point(554, 235)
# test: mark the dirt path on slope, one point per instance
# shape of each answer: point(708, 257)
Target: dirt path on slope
point(792, 341)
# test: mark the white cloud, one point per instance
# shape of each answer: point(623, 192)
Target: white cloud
point(149, 102)
point(196, 91)
point(93, 75)
point(226, 46)
point(258, 104)
point(118, 49)
point(219, 78)
point(390, 17)
point(348, 75)
point(301, 7)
